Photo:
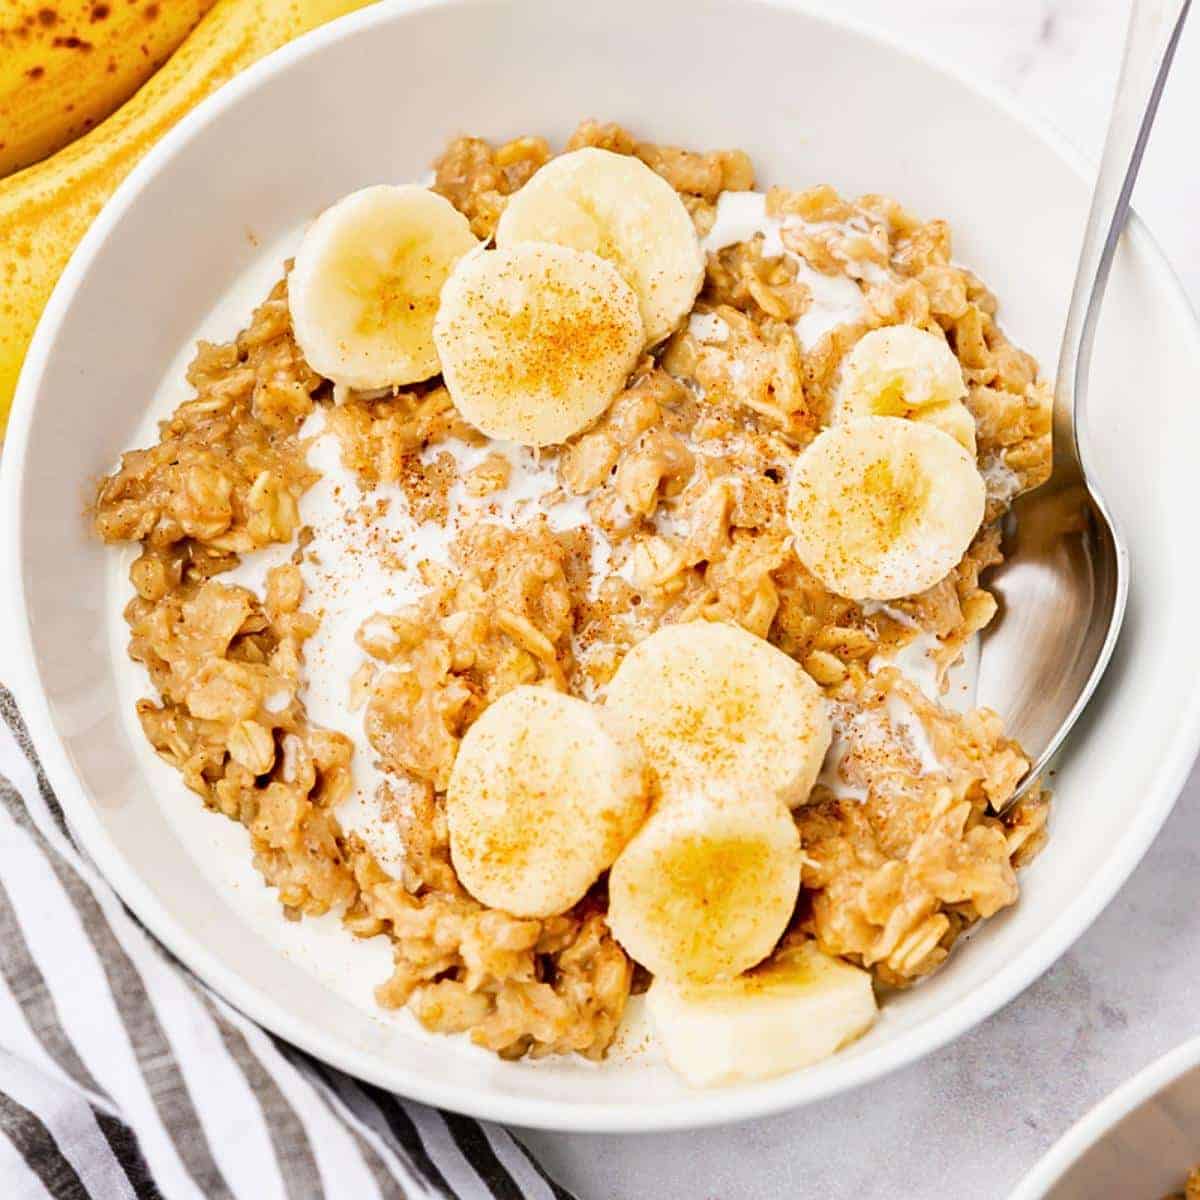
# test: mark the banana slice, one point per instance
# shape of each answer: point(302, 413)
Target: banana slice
point(903, 371)
point(793, 1011)
point(544, 793)
point(707, 886)
point(617, 207)
point(882, 507)
point(536, 340)
point(364, 288)
point(714, 705)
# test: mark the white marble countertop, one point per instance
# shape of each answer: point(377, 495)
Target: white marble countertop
point(972, 1118)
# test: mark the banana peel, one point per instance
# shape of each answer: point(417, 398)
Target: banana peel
point(66, 64)
point(46, 208)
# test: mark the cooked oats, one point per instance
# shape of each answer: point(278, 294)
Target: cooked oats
point(681, 487)
point(1191, 1190)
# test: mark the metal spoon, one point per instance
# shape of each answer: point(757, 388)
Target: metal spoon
point(1063, 586)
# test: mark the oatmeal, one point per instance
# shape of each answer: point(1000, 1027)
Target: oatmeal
point(1191, 1189)
point(421, 573)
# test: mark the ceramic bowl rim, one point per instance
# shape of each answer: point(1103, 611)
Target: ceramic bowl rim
point(1104, 1116)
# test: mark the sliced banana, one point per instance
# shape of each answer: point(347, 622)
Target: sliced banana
point(882, 507)
point(544, 793)
point(617, 207)
point(707, 886)
point(903, 371)
point(536, 340)
point(793, 1011)
point(714, 705)
point(364, 288)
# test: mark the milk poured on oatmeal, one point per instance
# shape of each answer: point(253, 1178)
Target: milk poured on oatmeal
point(367, 543)
point(835, 299)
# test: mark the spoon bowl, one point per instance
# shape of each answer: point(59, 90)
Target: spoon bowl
point(1062, 592)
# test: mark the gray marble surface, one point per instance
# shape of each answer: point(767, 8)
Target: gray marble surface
point(971, 1119)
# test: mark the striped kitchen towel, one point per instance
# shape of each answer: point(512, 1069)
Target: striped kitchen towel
point(122, 1075)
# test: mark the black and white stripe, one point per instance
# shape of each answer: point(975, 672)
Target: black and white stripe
point(123, 1078)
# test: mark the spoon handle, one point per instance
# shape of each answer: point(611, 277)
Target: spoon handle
point(1154, 29)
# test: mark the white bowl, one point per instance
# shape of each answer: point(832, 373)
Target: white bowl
point(1139, 1141)
point(373, 98)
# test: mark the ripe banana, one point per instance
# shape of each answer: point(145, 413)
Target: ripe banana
point(800, 1007)
point(707, 886)
point(65, 65)
point(882, 508)
point(46, 208)
point(536, 340)
point(617, 207)
point(903, 371)
point(715, 706)
point(366, 280)
point(544, 793)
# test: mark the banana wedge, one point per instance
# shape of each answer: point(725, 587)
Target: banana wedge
point(883, 507)
point(797, 1009)
point(714, 705)
point(536, 340)
point(707, 886)
point(903, 371)
point(615, 206)
point(544, 793)
point(366, 280)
